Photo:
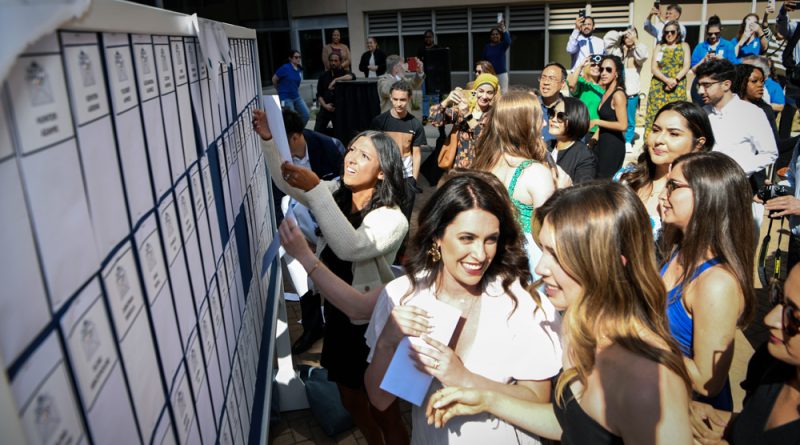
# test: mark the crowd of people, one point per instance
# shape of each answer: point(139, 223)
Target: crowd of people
point(599, 302)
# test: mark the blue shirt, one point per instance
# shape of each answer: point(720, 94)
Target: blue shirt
point(751, 49)
point(775, 91)
point(289, 81)
point(791, 177)
point(496, 54)
point(728, 51)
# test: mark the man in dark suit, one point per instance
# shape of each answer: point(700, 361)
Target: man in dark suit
point(323, 155)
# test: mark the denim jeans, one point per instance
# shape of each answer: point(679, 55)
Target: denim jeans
point(428, 100)
point(633, 104)
point(297, 105)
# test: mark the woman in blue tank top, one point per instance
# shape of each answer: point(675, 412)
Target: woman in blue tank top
point(710, 237)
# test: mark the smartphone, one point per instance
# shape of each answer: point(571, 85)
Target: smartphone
point(771, 4)
point(657, 4)
point(499, 17)
point(412, 64)
point(581, 13)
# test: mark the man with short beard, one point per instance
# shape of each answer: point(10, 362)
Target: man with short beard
point(582, 43)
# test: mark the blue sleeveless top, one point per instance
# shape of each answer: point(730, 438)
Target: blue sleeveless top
point(682, 328)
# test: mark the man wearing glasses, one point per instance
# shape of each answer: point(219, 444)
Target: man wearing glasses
point(713, 47)
point(551, 82)
point(740, 128)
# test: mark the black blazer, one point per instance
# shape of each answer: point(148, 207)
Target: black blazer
point(380, 60)
point(326, 161)
point(577, 161)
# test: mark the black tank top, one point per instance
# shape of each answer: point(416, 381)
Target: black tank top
point(578, 427)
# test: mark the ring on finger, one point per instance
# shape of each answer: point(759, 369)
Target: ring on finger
point(436, 364)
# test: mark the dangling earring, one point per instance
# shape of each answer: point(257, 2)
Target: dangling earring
point(435, 253)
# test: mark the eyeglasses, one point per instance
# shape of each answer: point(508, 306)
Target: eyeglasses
point(607, 69)
point(478, 72)
point(707, 85)
point(673, 185)
point(790, 322)
point(549, 78)
point(559, 116)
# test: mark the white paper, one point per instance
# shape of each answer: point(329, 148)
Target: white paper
point(147, 75)
point(203, 399)
point(87, 86)
point(184, 103)
point(61, 220)
point(213, 219)
point(163, 435)
point(39, 97)
point(181, 401)
point(226, 193)
point(272, 107)
point(23, 303)
point(232, 412)
point(402, 378)
point(190, 242)
point(47, 407)
point(130, 135)
point(182, 293)
point(169, 106)
point(97, 370)
point(159, 297)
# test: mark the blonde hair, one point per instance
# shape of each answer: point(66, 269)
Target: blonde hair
point(514, 128)
point(604, 242)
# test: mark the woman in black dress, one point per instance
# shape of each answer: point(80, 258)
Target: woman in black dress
point(612, 118)
point(770, 414)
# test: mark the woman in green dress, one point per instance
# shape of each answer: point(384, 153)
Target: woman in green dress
point(670, 65)
point(583, 84)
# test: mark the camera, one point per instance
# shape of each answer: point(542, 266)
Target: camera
point(582, 13)
point(596, 58)
point(771, 191)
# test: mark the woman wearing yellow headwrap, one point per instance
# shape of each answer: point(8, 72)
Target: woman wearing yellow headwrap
point(467, 111)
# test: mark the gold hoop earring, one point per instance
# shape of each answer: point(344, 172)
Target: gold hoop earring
point(435, 253)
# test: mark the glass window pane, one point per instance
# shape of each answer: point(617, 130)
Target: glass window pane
point(692, 35)
point(459, 50)
point(389, 45)
point(558, 47)
point(311, 49)
point(527, 50)
point(412, 45)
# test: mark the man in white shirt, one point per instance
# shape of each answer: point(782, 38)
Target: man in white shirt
point(582, 43)
point(396, 72)
point(655, 21)
point(740, 128)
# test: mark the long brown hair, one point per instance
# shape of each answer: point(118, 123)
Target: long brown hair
point(467, 190)
point(644, 171)
point(604, 242)
point(721, 223)
point(513, 128)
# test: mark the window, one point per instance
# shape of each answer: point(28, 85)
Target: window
point(558, 47)
point(459, 52)
point(412, 44)
point(389, 44)
point(527, 50)
point(311, 49)
point(272, 52)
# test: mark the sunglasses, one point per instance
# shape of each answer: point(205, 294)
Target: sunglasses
point(789, 320)
point(559, 116)
point(670, 31)
point(673, 185)
point(712, 33)
point(607, 69)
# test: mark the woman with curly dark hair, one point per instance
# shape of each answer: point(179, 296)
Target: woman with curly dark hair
point(468, 253)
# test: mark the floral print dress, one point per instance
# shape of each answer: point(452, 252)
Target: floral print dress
point(467, 137)
point(671, 64)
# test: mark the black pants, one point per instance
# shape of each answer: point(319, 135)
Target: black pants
point(323, 118)
point(411, 197)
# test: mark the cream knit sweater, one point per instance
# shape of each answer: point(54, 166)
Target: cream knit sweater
point(371, 248)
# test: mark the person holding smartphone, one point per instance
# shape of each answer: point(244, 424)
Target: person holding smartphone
point(658, 18)
point(750, 40)
point(713, 47)
point(495, 52)
point(582, 43)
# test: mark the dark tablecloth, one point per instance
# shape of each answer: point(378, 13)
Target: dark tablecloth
point(357, 103)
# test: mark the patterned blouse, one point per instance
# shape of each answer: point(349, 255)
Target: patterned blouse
point(467, 138)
